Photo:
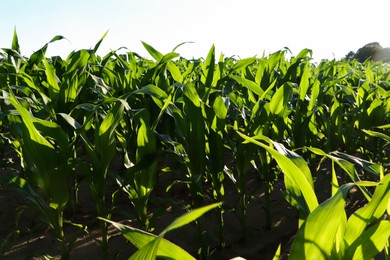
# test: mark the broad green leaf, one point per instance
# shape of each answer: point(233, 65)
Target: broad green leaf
point(168, 57)
point(190, 92)
point(153, 52)
point(280, 100)
point(335, 183)
point(277, 253)
point(252, 86)
point(15, 42)
point(52, 80)
point(304, 84)
point(141, 238)
point(27, 120)
point(268, 92)
point(111, 120)
point(303, 54)
point(220, 108)
point(175, 72)
point(373, 211)
point(243, 63)
point(348, 167)
point(189, 217)
point(366, 183)
point(297, 160)
point(208, 68)
point(371, 242)
point(78, 60)
point(57, 38)
point(377, 134)
point(315, 238)
point(37, 57)
point(152, 90)
point(97, 45)
point(366, 165)
point(292, 171)
point(315, 91)
point(148, 252)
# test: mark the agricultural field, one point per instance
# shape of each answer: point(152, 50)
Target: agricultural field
point(120, 156)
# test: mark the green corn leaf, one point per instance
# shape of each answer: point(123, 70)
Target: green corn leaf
point(302, 55)
point(27, 120)
point(279, 101)
point(52, 131)
point(252, 86)
point(293, 193)
point(366, 183)
point(153, 91)
point(277, 253)
point(377, 134)
point(111, 120)
point(190, 92)
point(304, 84)
point(195, 136)
point(151, 245)
point(292, 172)
point(78, 60)
point(57, 38)
point(180, 44)
point(371, 242)
point(335, 182)
point(189, 217)
point(30, 83)
point(373, 211)
point(315, 91)
point(168, 57)
point(15, 42)
point(150, 251)
point(38, 56)
point(54, 88)
point(297, 160)
point(208, 68)
point(268, 92)
point(383, 126)
point(348, 167)
point(99, 42)
point(147, 242)
point(153, 52)
point(145, 180)
point(175, 72)
point(12, 53)
point(315, 238)
point(366, 165)
point(242, 64)
point(220, 108)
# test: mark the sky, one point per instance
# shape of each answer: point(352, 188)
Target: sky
point(243, 28)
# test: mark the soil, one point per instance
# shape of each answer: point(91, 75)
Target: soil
point(35, 240)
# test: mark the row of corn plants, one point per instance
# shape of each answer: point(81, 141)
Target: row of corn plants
point(220, 122)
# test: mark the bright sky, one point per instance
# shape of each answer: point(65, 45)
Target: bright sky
point(245, 28)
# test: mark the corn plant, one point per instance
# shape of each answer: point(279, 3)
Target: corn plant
point(220, 118)
point(101, 150)
point(138, 184)
point(364, 235)
point(355, 238)
point(38, 140)
point(152, 246)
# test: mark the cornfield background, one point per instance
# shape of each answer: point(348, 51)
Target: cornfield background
point(284, 157)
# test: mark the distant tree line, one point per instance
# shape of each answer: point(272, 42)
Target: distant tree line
point(371, 51)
